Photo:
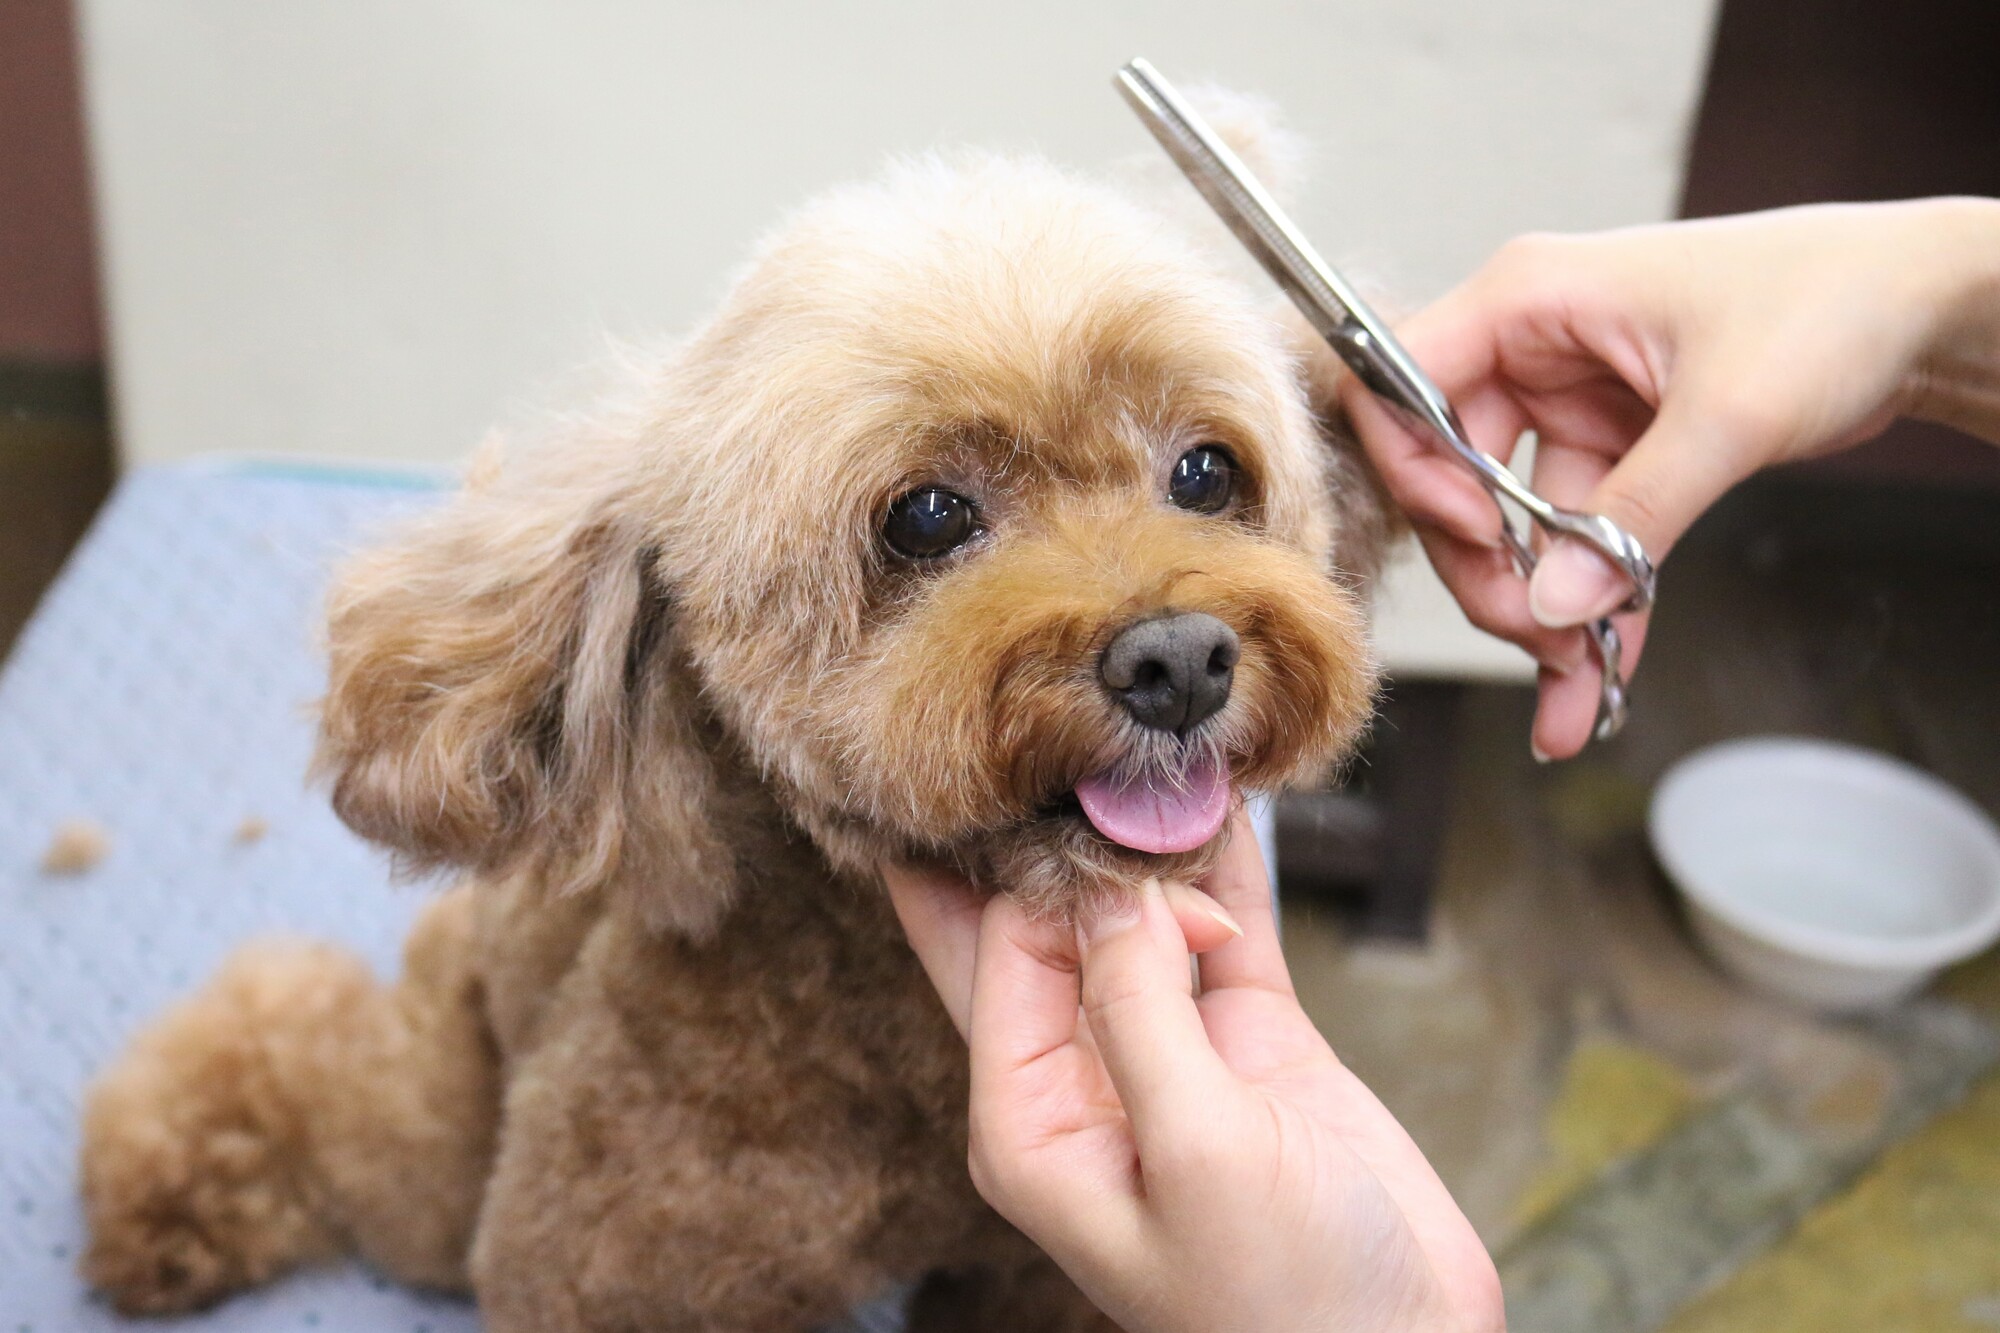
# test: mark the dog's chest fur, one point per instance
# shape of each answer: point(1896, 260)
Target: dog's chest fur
point(805, 1026)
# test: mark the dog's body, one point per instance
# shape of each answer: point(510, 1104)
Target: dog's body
point(856, 573)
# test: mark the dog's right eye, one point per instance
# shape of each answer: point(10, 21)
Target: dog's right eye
point(929, 522)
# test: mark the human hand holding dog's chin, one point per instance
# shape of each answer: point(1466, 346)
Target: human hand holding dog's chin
point(1193, 1163)
point(1661, 365)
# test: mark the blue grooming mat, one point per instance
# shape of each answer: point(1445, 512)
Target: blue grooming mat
point(162, 692)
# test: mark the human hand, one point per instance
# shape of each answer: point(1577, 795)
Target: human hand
point(1658, 366)
point(1192, 1162)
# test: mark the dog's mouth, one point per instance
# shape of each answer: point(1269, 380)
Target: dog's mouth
point(1156, 811)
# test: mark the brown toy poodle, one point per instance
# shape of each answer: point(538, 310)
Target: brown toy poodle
point(988, 523)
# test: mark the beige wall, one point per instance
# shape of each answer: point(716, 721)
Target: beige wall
point(366, 228)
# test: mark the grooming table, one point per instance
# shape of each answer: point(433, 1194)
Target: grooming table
point(161, 691)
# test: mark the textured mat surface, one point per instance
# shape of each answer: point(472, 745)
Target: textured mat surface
point(161, 692)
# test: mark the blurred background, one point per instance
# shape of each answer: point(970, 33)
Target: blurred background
point(350, 237)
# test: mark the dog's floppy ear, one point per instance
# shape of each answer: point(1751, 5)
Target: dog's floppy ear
point(1366, 519)
point(502, 694)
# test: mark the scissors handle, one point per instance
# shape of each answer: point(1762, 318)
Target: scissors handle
point(1364, 342)
point(1381, 363)
point(1605, 640)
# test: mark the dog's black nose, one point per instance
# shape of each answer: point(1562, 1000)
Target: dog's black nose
point(1172, 671)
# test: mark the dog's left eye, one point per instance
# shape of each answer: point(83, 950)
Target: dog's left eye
point(929, 522)
point(1204, 480)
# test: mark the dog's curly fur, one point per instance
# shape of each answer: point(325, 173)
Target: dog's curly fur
point(664, 1059)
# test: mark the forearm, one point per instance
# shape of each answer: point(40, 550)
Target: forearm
point(1958, 382)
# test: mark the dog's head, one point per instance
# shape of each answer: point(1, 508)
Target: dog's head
point(985, 523)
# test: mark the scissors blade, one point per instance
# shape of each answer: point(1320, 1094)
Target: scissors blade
point(1362, 339)
point(1241, 201)
point(1335, 309)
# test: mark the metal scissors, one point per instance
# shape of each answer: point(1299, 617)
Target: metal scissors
point(1371, 351)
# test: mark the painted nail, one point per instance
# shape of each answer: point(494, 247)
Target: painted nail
point(1573, 584)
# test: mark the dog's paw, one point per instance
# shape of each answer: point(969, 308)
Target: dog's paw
point(193, 1173)
point(166, 1240)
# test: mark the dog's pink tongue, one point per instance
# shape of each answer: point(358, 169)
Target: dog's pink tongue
point(1159, 815)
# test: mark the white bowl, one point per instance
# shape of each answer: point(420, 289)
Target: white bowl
point(1825, 874)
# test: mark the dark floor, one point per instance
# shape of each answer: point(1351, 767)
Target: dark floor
point(1558, 1021)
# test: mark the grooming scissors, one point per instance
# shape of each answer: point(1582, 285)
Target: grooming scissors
point(1363, 341)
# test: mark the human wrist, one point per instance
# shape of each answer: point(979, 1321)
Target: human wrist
point(1957, 379)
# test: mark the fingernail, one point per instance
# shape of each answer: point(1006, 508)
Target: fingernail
point(1118, 914)
point(1572, 584)
point(1558, 667)
point(1205, 904)
point(1536, 751)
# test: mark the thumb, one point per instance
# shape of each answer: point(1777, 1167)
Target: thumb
point(1683, 464)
